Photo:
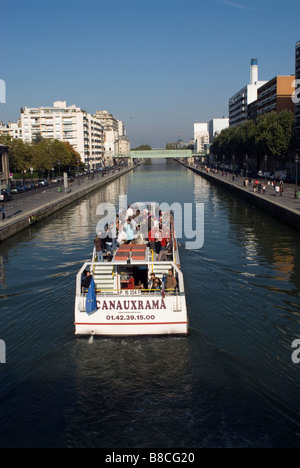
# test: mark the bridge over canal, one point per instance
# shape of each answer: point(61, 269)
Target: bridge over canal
point(161, 153)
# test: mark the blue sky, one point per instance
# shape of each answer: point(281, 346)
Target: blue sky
point(159, 66)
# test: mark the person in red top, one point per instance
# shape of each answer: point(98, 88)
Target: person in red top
point(152, 239)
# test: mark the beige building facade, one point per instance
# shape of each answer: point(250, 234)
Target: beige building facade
point(69, 124)
point(4, 166)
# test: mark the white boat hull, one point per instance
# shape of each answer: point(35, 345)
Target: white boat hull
point(151, 315)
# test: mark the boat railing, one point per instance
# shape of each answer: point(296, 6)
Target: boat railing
point(135, 292)
point(131, 292)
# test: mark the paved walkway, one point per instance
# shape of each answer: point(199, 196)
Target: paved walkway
point(287, 199)
point(25, 204)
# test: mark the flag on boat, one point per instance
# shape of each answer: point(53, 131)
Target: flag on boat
point(91, 302)
point(163, 287)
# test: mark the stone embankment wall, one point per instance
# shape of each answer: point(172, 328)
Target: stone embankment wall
point(16, 224)
point(286, 214)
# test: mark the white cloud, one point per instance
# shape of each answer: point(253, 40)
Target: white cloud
point(237, 5)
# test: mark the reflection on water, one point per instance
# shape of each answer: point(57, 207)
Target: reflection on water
point(231, 383)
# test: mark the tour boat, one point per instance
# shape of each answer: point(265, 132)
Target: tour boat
point(120, 300)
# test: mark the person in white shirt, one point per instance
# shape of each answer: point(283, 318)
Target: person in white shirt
point(122, 238)
point(130, 212)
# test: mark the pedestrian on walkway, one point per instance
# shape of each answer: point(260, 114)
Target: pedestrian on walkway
point(3, 212)
point(281, 188)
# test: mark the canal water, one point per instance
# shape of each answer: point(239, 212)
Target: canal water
point(230, 383)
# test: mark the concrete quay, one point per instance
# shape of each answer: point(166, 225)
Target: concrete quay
point(22, 212)
point(284, 208)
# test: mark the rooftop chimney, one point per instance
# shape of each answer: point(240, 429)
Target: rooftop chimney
point(254, 71)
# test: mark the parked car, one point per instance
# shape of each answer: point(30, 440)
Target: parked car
point(5, 196)
point(280, 175)
point(43, 182)
point(16, 190)
point(57, 179)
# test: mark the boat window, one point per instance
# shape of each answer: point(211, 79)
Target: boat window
point(133, 277)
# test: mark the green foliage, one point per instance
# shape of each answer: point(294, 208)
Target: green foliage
point(5, 139)
point(142, 148)
point(49, 154)
point(44, 154)
point(20, 155)
point(272, 135)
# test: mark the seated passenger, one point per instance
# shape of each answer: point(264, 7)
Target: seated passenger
point(86, 280)
point(157, 284)
point(171, 282)
point(122, 238)
point(153, 280)
point(166, 251)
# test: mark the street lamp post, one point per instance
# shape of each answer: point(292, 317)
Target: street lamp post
point(247, 166)
point(233, 166)
point(266, 161)
point(296, 186)
point(223, 164)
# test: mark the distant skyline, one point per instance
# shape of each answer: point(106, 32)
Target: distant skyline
point(158, 66)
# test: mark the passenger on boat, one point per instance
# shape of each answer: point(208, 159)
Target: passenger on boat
point(99, 246)
point(129, 231)
point(166, 250)
point(171, 282)
point(113, 230)
point(108, 239)
point(86, 279)
point(151, 280)
point(130, 212)
point(154, 282)
point(158, 239)
point(122, 238)
point(136, 215)
point(155, 240)
point(157, 284)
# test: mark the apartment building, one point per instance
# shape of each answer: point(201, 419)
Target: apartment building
point(238, 104)
point(116, 143)
point(4, 167)
point(123, 146)
point(11, 129)
point(275, 96)
point(66, 123)
point(201, 137)
point(297, 96)
point(215, 126)
point(108, 121)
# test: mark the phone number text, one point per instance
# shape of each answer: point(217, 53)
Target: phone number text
point(130, 317)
